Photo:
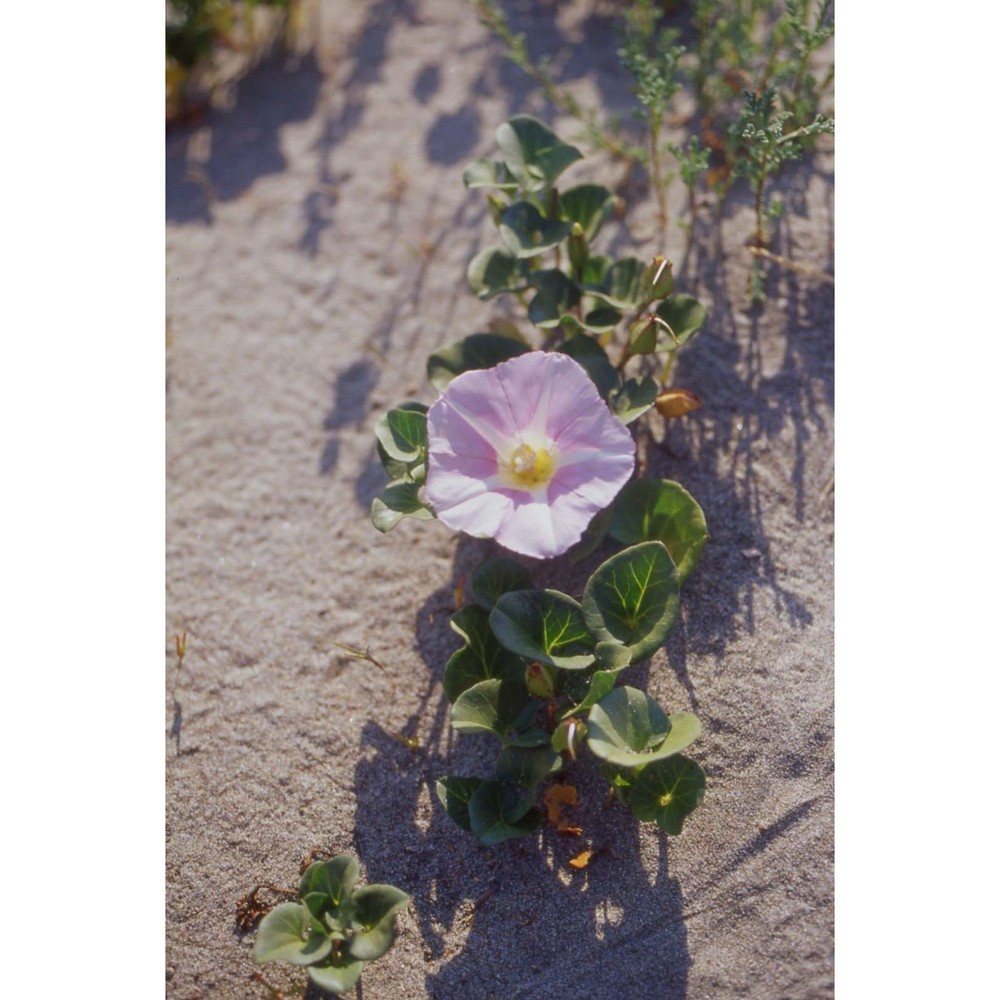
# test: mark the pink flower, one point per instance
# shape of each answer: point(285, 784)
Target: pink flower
point(526, 453)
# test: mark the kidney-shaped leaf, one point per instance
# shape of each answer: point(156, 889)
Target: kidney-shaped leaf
point(499, 812)
point(489, 707)
point(621, 285)
point(454, 794)
point(526, 232)
point(481, 658)
point(402, 432)
point(634, 398)
point(661, 510)
point(339, 976)
point(533, 153)
point(544, 625)
point(628, 729)
point(487, 173)
point(667, 791)
point(398, 500)
point(286, 933)
point(633, 598)
point(493, 271)
point(495, 577)
point(334, 879)
point(685, 316)
point(588, 204)
point(375, 907)
point(555, 296)
point(478, 350)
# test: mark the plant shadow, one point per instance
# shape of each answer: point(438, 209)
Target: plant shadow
point(522, 897)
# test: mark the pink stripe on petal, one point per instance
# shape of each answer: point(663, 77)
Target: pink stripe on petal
point(479, 516)
point(478, 398)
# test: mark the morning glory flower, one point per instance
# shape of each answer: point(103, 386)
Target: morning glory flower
point(526, 453)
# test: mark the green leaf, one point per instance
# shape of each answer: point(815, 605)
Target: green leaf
point(595, 271)
point(337, 977)
point(398, 500)
point(621, 285)
point(685, 315)
point(633, 598)
point(601, 682)
point(495, 577)
point(628, 729)
point(527, 233)
point(543, 625)
point(633, 399)
point(524, 767)
point(489, 707)
point(556, 295)
point(478, 350)
point(589, 354)
point(601, 320)
point(661, 510)
point(612, 656)
point(402, 432)
point(286, 934)
point(487, 173)
point(481, 658)
point(333, 879)
point(497, 813)
point(454, 794)
point(588, 204)
point(493, 271)
point(534, 154)
point(667, 791)
point(375, 908)
point(393, 467)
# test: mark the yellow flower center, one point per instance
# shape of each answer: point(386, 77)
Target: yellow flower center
point(530, 467)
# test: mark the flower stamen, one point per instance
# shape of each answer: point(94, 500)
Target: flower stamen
point(530, 467)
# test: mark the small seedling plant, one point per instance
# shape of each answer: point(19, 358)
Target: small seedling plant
point(532, 442)
point(335, 927)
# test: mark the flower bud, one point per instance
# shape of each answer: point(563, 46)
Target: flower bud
point(643, 334)
point(658, 278)
point(579, 249)
point(540, 680)
point(677, 403)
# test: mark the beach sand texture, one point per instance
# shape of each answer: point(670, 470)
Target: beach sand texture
point(317, 239)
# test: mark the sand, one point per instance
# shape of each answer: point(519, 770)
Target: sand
point(317, 239)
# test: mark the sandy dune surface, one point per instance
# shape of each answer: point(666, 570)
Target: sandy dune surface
point(318, 233)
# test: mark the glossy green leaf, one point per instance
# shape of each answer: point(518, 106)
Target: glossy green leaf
point(286, 934)
point(398, 500)
point(394, 468)
point(493, 271)
point(478, 350)
point(481, 658)
point(556, 295)
point(634, 398)
point(334, 879)
point(499, 812)
point(621, 286)
point(402, 432)
point(454, 795)
point(667, 791)
point(375, 908)
point(588, 204)
point(544, 625)
point(628, 729)
point(495, 577)
point(589, 354)
point(525, 767)
point(489, 707)
point(595, 271)
point(685, 316)
point(612, 656)
point(488, 173)
point(661, 510)
point(633, 598)
point(601, 682)
point(601, 320)
point(533, 153)
point(337, 977)
point(527, 233)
